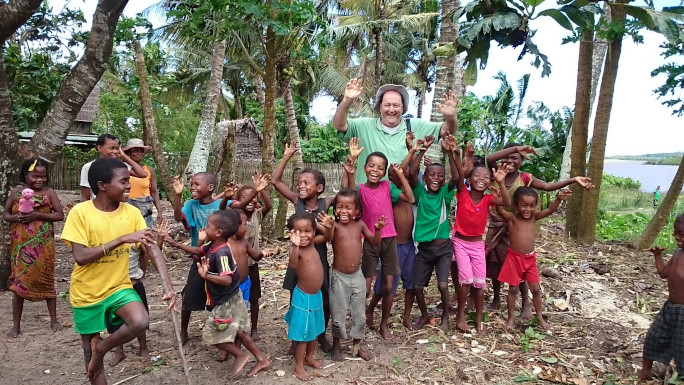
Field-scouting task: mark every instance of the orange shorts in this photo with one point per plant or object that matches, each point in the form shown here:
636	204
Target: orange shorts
519	267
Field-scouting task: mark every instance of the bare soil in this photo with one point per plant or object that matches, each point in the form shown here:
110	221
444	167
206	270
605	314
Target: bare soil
598	327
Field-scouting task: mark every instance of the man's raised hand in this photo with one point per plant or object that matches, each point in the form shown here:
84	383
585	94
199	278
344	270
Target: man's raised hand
353	89
450	104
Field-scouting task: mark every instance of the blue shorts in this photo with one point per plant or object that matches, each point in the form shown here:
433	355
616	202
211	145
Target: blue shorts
305	317
246	289
407	259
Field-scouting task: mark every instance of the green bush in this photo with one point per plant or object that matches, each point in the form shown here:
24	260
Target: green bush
619	181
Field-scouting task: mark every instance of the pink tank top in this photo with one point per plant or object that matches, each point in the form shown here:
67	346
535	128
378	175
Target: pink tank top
377	202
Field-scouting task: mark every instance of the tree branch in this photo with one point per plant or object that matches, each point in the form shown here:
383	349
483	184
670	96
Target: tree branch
251	62
14	14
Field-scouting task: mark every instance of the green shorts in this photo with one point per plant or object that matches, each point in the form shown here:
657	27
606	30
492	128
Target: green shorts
93	318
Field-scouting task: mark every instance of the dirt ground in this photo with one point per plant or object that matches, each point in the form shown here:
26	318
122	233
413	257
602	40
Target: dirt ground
598	326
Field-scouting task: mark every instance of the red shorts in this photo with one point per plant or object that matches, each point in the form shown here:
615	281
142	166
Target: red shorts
519	267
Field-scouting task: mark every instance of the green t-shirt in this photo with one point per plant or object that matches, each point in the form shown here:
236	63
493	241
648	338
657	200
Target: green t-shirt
372	136
432	216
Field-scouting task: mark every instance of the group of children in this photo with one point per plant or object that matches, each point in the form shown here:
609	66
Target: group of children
374	232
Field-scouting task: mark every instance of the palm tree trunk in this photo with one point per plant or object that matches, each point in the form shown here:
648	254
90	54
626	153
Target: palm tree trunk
258	87
268	131
421	101
587	231
237	104
199	156
150	133
579	131
662	214
378	49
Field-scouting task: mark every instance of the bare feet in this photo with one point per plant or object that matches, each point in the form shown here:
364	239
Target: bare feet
510	322
223	355
462	325
526	312
444	325
496	303
385	332
239	363
309	361
481	327
325	344
422	321
119	356
184	336
56	326
369	316
260	365
644	374
543	324
144	355
336	354
14	332
302	374
96	364
255	336
407	323
362	354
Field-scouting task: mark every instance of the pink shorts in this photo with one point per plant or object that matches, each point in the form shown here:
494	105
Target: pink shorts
519	267
470	259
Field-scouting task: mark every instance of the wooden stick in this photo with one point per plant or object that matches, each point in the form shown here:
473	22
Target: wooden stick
128	378
176	328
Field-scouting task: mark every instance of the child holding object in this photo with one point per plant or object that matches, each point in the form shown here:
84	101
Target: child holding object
32	243
665	338
521	260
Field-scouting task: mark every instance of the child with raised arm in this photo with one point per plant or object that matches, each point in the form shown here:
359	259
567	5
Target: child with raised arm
469	226
228	322
306	198
521	260
32	243
305	318
406	249
100	232
194	215
497	239
347	284
665	338
377	196
433	201
255	215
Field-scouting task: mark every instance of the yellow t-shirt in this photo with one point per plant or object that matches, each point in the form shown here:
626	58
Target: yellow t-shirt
88	226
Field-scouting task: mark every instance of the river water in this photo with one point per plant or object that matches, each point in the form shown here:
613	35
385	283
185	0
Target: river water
649	175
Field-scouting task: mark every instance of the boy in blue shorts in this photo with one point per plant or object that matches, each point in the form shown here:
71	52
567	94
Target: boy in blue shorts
100	233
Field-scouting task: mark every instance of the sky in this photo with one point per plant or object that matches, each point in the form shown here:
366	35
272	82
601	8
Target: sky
639	123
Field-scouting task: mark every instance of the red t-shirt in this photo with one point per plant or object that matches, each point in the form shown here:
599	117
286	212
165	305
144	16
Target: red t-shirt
471	218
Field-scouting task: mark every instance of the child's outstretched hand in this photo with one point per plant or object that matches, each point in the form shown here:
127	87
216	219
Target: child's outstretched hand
418	144
564	194
428	140
203	267
470	149
655	250
163	228
398	170
229	190
584	182
291	149
326	220
382	222
262	182
177	184
525	151
410	137
294	238
266	253
427	161
202	235
349	166
354	150
144	235
500	173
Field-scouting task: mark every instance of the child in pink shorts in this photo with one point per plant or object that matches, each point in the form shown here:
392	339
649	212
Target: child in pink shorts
471	220
521	262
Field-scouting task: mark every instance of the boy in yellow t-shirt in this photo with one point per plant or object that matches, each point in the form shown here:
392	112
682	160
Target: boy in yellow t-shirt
100	233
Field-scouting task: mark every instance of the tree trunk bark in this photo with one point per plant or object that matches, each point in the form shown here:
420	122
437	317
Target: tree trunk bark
587	231
237	103
199	156
421	101
150	133
77	85
378	51
14	14
579	132
268	131
258	87
662	214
